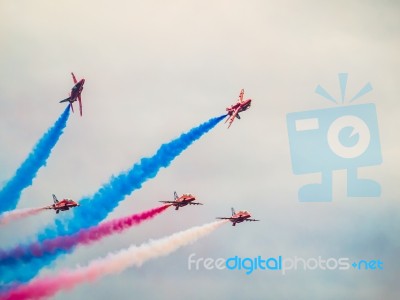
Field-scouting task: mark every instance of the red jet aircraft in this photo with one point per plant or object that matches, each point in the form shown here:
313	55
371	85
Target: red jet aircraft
239	217
183	200
234	110
64	204
75	93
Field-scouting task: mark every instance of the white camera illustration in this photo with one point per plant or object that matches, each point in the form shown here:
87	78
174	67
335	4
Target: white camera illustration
331	139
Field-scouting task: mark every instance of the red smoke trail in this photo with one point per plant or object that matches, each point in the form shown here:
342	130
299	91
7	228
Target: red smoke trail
13	215
84	236
111	264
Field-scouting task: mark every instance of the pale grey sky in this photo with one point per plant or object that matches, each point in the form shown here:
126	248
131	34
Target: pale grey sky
155	69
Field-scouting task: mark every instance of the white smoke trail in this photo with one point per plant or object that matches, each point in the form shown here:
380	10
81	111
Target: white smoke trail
16	214
111	264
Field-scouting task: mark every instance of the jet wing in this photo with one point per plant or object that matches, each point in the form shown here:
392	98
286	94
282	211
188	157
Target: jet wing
233	116
80	104
73	78
225	218
251	220
195	203
171	202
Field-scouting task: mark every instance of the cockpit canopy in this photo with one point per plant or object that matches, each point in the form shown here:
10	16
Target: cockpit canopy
243	212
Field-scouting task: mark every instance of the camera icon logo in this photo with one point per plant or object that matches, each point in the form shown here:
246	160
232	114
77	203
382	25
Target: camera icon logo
344	137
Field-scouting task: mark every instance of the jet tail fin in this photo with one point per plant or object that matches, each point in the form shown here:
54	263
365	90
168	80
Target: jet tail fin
233	211
55	199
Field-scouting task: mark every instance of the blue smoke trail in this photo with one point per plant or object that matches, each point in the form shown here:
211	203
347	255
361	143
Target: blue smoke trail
96	208
10	193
